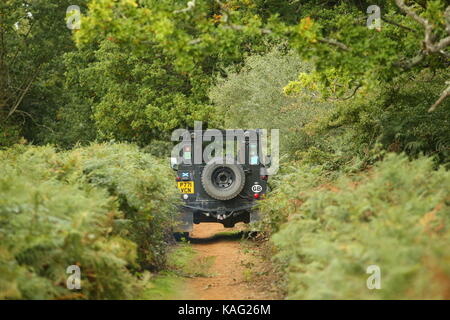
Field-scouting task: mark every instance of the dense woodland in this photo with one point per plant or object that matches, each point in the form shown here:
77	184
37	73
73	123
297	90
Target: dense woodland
362	104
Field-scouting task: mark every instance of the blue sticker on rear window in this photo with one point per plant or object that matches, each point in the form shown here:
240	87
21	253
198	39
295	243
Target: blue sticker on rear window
254	160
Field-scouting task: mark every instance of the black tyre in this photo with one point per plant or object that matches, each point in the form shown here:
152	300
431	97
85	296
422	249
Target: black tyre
223	181
180	236
228	224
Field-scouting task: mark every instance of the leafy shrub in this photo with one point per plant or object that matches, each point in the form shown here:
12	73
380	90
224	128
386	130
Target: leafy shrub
139	97
396	117
91	207
145	193
395	216
253	97
9	134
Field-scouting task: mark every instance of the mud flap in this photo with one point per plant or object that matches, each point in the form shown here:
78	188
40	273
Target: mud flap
185	220
254	216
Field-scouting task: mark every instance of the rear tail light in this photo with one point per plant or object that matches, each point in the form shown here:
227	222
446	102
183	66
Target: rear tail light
178	179
256	196
264	177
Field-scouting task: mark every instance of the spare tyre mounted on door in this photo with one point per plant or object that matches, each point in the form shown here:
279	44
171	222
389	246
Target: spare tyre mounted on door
222	179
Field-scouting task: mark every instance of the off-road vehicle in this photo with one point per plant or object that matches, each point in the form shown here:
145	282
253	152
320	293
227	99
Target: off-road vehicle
216	186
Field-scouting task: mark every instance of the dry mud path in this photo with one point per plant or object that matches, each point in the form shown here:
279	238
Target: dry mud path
235	273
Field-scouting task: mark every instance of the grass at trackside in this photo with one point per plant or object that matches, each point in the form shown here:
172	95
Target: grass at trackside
169	285
183	263
165	287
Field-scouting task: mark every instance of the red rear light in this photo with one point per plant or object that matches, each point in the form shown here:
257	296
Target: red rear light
264	177
178	179
256	196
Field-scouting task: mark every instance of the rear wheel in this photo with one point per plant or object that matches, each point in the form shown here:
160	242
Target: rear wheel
181	236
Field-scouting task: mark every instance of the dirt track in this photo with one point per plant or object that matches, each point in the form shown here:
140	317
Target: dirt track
229	277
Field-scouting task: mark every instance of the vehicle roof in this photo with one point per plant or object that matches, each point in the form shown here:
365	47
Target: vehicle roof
232	133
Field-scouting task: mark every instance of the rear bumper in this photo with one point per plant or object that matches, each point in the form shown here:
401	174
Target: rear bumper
190	215
205	207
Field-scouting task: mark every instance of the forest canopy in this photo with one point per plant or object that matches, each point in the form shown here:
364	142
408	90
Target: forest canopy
136	70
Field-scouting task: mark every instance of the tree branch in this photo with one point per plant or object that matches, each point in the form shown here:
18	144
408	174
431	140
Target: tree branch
353	93
412	62
444	95
22	95
25	38
428	43
398	24
19	100
430	46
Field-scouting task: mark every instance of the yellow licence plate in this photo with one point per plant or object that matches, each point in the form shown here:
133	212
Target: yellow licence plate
186	186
